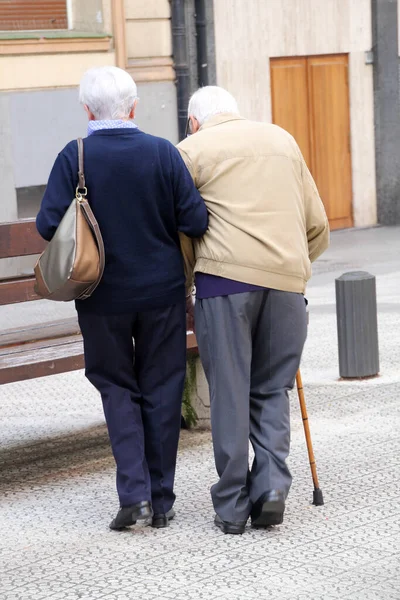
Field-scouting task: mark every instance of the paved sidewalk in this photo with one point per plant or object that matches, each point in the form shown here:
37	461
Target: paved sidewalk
57	482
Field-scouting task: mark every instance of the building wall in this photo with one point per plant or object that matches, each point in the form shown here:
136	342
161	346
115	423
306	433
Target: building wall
248	34
40	112
39	108
48	70
39	78
386	29
42	122
148	59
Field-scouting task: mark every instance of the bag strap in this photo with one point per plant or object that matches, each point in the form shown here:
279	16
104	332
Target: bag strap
81	189
81	192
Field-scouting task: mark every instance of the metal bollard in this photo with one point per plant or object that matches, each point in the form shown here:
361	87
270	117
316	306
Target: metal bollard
357	325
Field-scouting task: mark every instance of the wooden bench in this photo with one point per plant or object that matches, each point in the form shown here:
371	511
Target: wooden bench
41	349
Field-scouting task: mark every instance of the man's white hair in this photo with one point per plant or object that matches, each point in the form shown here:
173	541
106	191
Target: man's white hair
108	92
209	101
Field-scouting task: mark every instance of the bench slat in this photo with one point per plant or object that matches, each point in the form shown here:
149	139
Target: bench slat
17	289
39	363
52	331
28	348
20	239
40	331
50	357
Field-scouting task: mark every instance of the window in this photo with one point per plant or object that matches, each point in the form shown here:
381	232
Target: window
23	15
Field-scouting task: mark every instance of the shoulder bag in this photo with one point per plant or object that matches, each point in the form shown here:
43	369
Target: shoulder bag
72	264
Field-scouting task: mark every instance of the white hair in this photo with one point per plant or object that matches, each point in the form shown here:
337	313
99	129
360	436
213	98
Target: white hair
108	92
209	101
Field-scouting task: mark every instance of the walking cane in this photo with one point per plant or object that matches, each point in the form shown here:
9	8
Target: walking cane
318	499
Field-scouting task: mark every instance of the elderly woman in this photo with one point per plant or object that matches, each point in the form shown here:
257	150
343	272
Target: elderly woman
133	326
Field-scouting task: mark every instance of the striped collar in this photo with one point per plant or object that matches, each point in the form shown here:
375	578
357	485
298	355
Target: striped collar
109	124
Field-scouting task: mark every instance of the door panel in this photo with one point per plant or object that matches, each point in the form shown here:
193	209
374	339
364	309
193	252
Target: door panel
330	135
310	99
290	100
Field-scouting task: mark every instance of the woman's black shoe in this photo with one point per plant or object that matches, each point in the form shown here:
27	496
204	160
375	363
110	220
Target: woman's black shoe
128	515
162	520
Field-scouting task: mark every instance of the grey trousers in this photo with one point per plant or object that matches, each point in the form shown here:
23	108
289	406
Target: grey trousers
250	345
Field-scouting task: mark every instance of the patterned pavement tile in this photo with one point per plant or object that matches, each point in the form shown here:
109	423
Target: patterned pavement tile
372	594
351	559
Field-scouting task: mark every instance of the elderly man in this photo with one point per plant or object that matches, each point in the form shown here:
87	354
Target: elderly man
134	325
266	225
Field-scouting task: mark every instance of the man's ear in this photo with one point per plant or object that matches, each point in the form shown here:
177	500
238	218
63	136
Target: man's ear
194	124
133	110
89	113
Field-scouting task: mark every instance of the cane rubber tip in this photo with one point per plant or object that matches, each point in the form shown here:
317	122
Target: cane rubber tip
318	499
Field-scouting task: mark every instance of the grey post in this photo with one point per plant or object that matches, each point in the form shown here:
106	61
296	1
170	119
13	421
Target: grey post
357	325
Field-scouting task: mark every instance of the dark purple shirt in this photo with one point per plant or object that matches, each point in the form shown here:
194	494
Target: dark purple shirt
211	286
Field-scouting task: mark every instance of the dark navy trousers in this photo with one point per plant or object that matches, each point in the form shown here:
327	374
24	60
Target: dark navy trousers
138	362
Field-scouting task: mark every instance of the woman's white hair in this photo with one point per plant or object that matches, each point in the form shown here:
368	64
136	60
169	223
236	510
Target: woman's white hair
209	101
108	92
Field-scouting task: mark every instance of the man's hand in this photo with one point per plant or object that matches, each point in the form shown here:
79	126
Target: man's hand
190	314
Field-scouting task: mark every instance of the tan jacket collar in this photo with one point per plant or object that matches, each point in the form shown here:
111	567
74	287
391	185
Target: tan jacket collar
221	118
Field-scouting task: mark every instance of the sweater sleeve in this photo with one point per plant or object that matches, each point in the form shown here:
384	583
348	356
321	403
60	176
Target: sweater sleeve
191	211
188	260
59	194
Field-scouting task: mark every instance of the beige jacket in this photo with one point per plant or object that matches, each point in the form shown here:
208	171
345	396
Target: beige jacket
267	222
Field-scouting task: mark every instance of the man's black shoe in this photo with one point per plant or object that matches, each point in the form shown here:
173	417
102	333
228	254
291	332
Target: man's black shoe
269	509
128	515
227	527
161	520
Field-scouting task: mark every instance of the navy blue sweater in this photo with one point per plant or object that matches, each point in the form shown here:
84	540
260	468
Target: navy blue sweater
141	195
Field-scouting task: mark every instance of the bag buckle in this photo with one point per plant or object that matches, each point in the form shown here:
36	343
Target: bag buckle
80	192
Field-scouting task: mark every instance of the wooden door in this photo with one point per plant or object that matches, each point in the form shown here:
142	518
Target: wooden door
330	135
290	100
310	98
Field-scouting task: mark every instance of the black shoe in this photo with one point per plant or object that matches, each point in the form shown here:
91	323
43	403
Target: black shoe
128	515
227	527
161	520
269	509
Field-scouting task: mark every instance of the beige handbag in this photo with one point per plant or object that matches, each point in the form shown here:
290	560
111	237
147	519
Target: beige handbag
72	265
